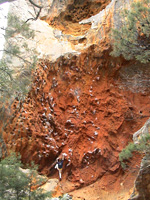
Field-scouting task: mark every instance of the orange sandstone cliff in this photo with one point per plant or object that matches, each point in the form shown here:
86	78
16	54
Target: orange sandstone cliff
83	102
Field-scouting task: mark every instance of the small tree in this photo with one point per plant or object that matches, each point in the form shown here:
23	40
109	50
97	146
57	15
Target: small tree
16	68
131	40
35	180
142	147
18	60
15	184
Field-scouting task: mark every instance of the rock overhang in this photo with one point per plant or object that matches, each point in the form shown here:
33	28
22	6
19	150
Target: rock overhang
68	15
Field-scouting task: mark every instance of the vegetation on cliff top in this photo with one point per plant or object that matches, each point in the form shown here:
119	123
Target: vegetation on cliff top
132	38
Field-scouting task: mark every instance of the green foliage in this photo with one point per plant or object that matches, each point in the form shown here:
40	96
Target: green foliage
17	26
18	61
15	184
131	40
16	67
127	152
142	147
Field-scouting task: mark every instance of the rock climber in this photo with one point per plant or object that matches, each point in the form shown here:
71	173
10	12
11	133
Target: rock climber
59	165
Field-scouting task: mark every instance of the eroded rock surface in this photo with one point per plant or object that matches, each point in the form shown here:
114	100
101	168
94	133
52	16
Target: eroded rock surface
69	13
142	183
76	107
85	103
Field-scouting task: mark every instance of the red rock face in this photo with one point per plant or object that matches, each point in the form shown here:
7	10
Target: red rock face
86	106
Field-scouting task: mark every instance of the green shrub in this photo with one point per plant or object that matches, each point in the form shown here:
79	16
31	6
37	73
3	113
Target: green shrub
142	147
17	185
131	39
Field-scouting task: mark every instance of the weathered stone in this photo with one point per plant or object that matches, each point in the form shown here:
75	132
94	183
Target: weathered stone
142	183
50	186
140	133
81	102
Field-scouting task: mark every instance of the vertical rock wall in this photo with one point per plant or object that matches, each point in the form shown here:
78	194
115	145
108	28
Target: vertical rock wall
80	106
85	103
